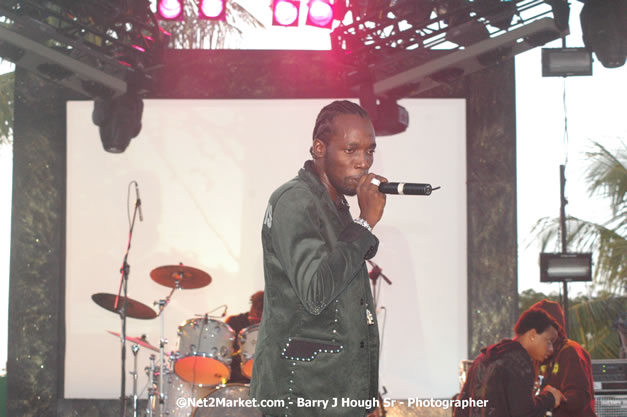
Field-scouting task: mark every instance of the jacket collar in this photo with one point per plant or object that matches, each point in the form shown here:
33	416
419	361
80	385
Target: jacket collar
310	176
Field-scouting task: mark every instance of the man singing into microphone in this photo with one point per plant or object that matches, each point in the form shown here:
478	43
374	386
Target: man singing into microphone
318	343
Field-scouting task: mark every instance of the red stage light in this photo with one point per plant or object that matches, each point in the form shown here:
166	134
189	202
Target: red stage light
170	9
212	9
320	13
285	12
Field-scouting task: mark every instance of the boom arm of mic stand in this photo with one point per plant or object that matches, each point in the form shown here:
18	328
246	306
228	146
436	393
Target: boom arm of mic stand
381	274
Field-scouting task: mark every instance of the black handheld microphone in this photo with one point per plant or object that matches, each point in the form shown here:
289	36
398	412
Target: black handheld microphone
405	188
138	203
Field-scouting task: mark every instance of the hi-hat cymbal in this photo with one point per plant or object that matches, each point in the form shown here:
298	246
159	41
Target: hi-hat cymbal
180	276
134	309
141	341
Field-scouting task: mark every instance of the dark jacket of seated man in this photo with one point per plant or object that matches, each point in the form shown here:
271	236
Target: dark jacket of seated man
569	369
504	373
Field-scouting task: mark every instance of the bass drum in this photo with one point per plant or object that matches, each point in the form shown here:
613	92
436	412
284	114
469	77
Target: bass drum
216	404
175	388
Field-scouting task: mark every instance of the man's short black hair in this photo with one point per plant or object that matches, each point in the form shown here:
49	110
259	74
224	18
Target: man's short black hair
534	318
324	122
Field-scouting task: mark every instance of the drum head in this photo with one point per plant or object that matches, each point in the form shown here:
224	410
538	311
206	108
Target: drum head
223	395
248	344
201	370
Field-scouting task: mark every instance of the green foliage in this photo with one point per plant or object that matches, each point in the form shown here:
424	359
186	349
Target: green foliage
529	297
7	82
592	324
591	320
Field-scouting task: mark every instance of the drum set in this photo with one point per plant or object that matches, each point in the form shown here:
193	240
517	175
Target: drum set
190	381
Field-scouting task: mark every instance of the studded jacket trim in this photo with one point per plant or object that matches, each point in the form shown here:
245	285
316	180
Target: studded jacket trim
299	349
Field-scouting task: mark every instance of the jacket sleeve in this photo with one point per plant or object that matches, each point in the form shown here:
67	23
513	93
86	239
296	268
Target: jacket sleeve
520	397
574	380
318	270
463	395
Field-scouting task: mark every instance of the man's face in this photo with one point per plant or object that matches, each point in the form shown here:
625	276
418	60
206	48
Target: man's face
542	344
349	153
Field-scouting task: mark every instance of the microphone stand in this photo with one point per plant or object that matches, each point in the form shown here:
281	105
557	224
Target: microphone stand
125	271
374	275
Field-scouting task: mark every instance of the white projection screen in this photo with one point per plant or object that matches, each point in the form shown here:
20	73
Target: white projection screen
206	169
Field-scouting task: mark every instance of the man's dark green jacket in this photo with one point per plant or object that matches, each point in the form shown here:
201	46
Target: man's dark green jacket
318	338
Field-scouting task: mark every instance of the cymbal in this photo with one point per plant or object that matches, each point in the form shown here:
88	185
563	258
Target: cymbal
141	341
180	276
134	309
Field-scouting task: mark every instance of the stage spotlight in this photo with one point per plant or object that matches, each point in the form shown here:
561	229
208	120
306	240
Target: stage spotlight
212	9
603	32
566	62
559	267
170	9
388	117
119	120
320	14
392	118
285	12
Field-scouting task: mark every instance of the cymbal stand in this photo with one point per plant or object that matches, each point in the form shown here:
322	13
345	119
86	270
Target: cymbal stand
124	272
152	401
135	349
374	275
164	303
162	342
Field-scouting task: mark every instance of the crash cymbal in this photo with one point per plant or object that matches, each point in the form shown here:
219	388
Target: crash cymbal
180	276
134	309
141	341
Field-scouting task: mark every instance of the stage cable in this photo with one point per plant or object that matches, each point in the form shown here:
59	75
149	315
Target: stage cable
565	136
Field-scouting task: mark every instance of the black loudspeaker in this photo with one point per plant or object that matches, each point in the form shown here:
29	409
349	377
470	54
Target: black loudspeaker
611	405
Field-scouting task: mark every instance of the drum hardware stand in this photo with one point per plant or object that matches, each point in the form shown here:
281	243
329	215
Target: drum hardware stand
162	342
374	275
151	390
125	271
135	349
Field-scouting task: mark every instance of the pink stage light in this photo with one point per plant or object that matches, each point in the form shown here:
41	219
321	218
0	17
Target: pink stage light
212	9
285	12
320	13
170	9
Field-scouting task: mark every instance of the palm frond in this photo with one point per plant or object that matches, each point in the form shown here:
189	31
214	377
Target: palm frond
607	176
591	323
609	246
193	33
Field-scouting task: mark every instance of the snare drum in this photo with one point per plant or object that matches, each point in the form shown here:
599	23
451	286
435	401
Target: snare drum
175	388
205	348
215	404
248	342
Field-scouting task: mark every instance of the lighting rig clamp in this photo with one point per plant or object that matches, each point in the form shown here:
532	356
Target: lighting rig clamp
97	48
410	47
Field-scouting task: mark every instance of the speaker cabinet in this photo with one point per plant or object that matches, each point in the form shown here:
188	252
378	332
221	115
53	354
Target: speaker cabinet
611	405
